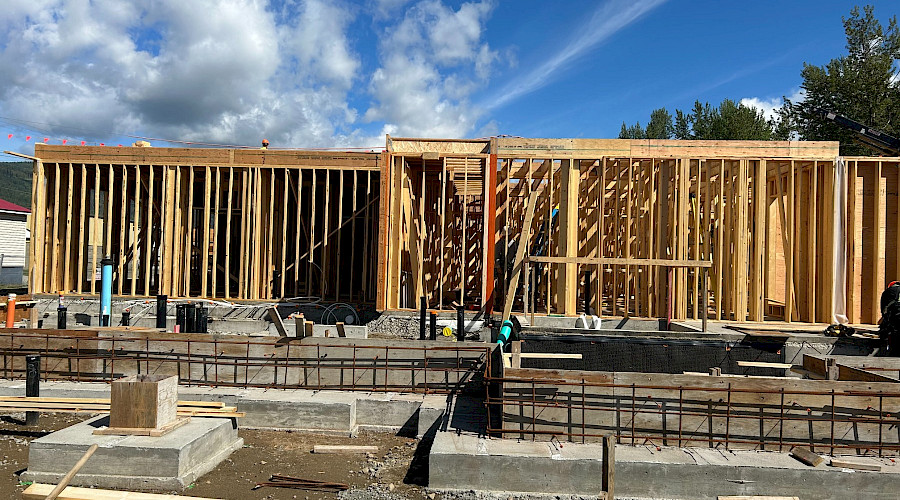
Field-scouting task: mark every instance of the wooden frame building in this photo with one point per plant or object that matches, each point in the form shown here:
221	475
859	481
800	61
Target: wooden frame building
793	231
212	223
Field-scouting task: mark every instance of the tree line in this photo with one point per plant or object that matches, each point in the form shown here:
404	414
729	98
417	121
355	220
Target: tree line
863	84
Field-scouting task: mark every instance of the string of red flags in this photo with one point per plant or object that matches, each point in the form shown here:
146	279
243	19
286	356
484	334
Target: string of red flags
47	140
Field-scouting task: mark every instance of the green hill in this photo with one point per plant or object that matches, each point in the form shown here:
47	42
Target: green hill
16	182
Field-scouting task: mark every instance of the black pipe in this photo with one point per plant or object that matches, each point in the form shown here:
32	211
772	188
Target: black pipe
433	334
32	385
161	307
179	316
126	317
202	322
588	309
61	317
460	324
422	305
190	318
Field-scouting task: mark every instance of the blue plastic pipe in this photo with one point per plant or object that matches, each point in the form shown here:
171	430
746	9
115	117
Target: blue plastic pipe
505	333
105	291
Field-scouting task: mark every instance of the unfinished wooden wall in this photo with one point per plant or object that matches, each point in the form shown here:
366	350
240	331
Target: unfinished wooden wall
238	225
762	212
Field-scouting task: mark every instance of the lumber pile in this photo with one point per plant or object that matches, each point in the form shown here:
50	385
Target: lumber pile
15	404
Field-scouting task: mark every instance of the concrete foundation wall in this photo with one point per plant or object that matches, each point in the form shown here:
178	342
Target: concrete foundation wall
465	462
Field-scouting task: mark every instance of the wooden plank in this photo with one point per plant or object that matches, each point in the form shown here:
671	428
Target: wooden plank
123	228
148	243
567	274
876	279
325	224
549	355
39	491
353	245
79	281
621	261
524	243
66	265
312	234
855	464
229	215
343	448
756	497
189	236
284	233
608	470
217	218
177	235
340	229
205	267
762	364
298	218
134	231
107	244
38	272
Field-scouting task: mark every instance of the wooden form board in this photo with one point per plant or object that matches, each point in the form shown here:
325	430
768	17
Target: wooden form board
207	226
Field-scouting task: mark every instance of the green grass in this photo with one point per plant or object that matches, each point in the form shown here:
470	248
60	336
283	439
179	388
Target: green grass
16	185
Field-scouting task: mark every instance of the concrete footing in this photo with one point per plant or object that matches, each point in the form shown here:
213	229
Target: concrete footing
169	462
467	462
327	412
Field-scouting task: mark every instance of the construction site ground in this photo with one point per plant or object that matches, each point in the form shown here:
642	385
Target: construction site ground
394	472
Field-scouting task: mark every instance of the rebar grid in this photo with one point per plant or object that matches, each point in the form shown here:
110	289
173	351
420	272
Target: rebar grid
536	395
356	367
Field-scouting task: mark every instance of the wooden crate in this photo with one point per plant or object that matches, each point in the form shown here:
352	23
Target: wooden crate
143	402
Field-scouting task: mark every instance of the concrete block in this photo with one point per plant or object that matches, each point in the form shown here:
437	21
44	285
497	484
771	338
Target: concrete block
350	331
460	461
170	462
388	412
431	414
330	412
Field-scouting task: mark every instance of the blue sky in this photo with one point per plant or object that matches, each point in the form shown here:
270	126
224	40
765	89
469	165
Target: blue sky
316	73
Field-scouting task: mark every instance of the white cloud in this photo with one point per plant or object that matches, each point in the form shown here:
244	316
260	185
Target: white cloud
233	72
203	70
430	63
606	20
770	106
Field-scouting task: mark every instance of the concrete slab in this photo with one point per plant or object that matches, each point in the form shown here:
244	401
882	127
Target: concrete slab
169	462
469	462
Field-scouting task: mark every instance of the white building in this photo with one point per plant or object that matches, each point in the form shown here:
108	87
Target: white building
13	235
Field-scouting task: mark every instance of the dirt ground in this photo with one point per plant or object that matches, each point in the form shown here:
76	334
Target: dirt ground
394	473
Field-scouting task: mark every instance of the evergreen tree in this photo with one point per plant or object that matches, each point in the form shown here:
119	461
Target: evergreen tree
660	125
633	132
682	126
862	85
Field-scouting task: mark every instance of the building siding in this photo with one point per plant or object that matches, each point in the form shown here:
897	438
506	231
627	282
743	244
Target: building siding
13	232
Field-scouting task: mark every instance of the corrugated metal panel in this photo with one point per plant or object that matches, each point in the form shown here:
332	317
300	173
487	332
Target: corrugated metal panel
12	239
